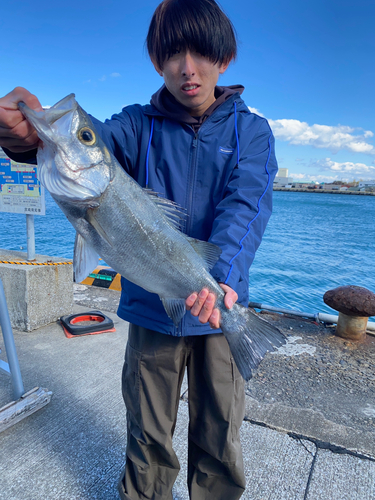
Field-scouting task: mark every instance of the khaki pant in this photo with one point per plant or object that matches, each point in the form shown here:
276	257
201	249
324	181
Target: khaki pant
152	377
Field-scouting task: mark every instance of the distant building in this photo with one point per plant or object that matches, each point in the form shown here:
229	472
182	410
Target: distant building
306	185
283	172
366	184
331	186
282	179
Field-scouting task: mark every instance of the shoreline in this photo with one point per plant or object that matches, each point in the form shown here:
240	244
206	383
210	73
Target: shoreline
326	191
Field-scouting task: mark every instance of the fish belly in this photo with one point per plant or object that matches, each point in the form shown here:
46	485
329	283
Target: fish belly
129	231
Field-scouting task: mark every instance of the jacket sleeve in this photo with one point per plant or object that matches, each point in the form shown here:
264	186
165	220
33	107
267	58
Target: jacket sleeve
242	215
28	157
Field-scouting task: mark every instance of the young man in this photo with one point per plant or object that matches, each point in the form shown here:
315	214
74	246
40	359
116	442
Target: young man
198	145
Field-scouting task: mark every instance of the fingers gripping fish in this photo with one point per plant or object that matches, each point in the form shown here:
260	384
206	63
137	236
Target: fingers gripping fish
134	230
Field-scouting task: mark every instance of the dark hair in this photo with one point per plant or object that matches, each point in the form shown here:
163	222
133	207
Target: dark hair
198	25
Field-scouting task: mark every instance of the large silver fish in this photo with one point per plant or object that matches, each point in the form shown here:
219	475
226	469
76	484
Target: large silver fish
134	230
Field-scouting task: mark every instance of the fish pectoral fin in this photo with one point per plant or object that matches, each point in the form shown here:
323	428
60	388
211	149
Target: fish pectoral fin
85	259
90	218
175	308
209	252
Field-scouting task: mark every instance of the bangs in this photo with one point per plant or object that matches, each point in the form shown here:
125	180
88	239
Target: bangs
195	25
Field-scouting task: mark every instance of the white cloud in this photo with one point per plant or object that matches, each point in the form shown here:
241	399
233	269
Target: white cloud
346	168
297	176
256	111
334	138
314	178
328	170
103	78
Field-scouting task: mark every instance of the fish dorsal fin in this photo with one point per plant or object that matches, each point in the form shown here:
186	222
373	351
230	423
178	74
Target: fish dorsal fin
175	308
209	252
85	259
174	212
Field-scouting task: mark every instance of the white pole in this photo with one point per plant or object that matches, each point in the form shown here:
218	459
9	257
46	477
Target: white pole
30	229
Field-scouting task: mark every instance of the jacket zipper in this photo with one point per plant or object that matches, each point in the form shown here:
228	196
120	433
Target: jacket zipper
193	166
192	181
179	328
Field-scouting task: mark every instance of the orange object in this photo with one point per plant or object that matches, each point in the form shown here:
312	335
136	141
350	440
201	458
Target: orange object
90	323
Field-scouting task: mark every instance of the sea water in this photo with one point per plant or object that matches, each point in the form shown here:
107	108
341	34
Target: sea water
54	235
313	243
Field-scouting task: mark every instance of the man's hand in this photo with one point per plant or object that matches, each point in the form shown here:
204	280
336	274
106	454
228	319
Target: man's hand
202	305
16	133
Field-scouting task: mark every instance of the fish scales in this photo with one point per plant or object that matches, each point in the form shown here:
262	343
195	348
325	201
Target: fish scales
133	230
146	233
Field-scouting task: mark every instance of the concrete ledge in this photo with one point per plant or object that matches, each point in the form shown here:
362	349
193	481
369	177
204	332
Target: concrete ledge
312	425
36	294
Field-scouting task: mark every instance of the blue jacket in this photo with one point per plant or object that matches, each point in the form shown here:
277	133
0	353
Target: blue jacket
222	175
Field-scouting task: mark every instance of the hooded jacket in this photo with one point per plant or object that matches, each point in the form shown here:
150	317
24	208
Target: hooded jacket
219	167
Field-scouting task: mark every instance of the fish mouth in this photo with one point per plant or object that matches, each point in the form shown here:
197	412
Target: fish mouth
43	120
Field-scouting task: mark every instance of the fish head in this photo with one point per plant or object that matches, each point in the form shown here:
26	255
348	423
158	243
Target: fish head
74	164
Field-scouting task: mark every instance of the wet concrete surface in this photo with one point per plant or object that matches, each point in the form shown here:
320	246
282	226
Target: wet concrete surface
315	370
317	392
316	377
95	297
318	370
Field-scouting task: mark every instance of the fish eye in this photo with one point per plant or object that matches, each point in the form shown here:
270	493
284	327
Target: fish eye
87	136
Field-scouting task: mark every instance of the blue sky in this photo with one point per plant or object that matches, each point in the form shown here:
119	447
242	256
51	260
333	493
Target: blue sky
307	66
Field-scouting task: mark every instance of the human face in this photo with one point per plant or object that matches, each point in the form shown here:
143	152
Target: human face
191	78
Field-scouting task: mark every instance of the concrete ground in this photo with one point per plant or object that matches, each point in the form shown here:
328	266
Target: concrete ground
308	433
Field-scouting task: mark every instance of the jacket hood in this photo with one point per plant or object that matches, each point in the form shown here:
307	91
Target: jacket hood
169	107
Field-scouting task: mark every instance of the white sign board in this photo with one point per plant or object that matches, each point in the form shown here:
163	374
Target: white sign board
20	189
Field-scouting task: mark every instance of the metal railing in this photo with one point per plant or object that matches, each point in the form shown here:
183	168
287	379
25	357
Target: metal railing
12	368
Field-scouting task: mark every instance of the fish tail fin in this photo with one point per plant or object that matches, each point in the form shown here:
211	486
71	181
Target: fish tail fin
249	337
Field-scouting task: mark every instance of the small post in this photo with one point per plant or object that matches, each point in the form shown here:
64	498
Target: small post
30	229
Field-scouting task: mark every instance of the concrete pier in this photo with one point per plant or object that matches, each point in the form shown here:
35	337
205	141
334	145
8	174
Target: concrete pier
37	293
309	431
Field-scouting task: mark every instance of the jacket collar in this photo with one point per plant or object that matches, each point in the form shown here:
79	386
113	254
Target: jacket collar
164	104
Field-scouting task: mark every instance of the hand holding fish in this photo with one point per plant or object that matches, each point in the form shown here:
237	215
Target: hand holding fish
16	133
202	305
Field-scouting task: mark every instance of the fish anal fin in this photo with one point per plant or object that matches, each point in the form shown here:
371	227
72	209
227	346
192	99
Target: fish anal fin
175	308
85	259
209	252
